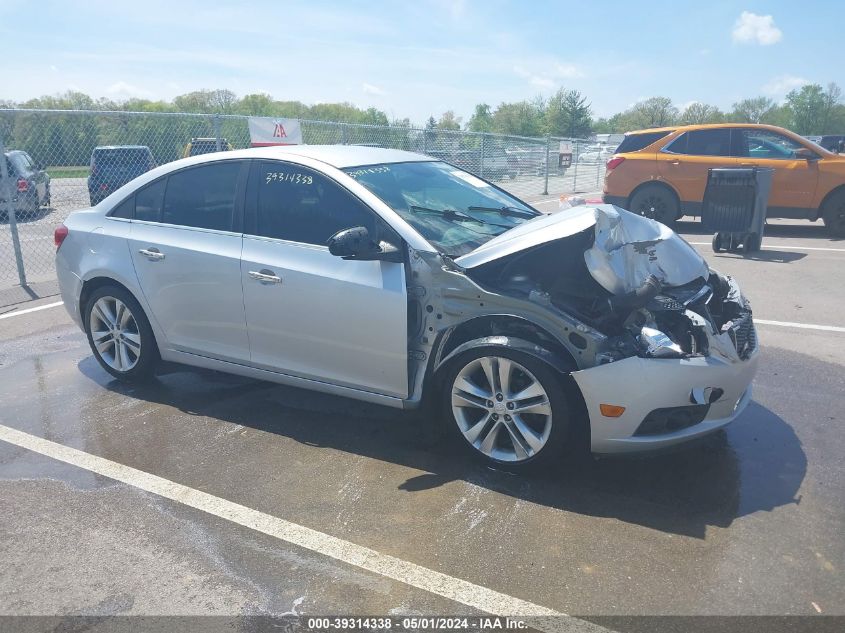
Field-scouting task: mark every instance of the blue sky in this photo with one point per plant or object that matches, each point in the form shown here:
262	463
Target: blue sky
426	56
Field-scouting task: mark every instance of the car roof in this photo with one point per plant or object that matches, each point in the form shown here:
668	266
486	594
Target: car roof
120	147
339	156
706	126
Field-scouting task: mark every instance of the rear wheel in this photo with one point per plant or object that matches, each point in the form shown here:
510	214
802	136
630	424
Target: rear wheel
506	407
833	213
120	334
655	202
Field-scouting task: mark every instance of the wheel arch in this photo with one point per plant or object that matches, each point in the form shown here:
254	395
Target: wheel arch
836	190
511	332
94	283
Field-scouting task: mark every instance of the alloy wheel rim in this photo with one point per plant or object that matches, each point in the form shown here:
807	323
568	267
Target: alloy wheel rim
501	409
115	334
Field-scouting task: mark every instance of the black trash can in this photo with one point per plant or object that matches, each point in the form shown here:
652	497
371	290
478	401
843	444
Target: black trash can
734	207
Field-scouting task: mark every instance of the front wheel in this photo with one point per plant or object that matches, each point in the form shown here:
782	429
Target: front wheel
657	203
120	334
506	407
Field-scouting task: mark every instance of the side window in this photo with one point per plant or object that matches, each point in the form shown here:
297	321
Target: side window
301	205
715	142
148	201
125	209
764	144
202	197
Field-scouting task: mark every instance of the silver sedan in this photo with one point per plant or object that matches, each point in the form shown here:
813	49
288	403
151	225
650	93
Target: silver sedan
399	279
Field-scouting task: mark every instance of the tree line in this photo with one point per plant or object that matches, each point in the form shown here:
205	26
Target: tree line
810	109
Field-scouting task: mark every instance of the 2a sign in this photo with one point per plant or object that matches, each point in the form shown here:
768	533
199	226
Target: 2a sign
265	131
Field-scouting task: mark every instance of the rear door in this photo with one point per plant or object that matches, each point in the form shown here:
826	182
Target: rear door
684	163
311	314
795	179
186	253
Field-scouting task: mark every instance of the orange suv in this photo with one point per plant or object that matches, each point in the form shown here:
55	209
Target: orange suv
661	173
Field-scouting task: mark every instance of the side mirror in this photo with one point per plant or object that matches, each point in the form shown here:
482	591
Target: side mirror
806	154
356	243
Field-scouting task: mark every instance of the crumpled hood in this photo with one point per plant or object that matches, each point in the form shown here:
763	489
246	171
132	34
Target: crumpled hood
626	250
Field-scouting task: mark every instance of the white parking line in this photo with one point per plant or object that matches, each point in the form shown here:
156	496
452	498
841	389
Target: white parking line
779	246
456	589
9	315
803	326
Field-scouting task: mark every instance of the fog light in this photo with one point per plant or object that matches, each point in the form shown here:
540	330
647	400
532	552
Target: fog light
611	410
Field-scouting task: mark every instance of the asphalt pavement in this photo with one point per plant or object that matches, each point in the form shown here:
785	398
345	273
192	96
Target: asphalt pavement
749	522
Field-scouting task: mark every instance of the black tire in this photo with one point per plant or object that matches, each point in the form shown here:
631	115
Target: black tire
717	243
833	213
563	420
148	357
656	202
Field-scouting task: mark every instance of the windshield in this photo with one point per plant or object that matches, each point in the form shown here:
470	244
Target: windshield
452	209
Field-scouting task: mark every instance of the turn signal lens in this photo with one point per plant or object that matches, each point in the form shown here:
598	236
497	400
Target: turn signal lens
611	410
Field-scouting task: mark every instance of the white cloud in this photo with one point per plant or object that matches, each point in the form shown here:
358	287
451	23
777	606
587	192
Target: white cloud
751	28
123	89
567	71
542	82
370	89
782	84
551	74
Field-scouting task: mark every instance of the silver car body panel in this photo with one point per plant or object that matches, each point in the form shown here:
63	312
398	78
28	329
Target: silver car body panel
194	290
347	330
330	319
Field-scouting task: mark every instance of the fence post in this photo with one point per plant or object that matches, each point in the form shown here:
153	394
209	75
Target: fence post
575	156
217	133
548	149
6	193
481	168
343	138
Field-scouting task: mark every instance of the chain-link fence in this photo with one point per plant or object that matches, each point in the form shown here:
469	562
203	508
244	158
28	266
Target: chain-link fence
59	161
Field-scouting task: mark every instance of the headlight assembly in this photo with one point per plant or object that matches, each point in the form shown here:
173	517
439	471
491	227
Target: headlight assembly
656	344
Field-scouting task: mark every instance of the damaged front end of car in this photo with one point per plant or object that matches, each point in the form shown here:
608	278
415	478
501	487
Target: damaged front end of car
632	312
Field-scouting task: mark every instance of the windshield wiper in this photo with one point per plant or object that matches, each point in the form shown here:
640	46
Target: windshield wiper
452	214
511	212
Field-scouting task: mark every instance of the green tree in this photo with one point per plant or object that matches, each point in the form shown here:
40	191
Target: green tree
755	110
811	107
567	113
481	119
523	118
698	113
654	112
448	121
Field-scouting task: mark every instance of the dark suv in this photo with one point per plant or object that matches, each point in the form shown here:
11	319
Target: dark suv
114	165
30	185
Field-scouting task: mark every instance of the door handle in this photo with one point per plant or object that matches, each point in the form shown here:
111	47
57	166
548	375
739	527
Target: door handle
265	276
153	254
675	162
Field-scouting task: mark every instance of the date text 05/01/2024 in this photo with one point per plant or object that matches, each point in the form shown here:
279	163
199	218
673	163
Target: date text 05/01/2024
417	623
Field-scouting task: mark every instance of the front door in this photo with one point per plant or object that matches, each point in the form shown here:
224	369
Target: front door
311	314
794	180
187	259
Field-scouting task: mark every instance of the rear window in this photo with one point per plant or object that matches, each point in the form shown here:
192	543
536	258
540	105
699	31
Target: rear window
122	157
713	142
207	146
636	142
